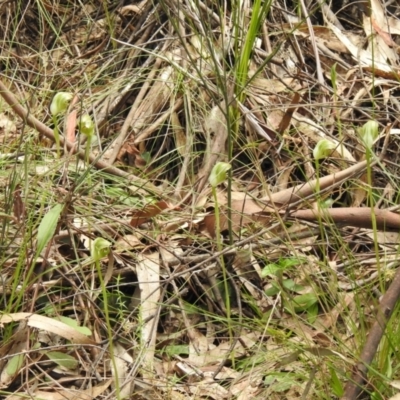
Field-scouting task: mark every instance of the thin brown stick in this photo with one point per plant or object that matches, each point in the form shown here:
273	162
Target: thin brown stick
72	148
358	379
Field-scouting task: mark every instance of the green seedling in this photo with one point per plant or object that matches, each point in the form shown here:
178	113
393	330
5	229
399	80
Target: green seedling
322	150
99	249
297	299
58	107
218	175
369	132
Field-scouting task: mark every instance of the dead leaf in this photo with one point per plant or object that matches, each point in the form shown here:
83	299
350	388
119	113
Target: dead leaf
65	394
380	43
49	325
287	117
10	366
155	101
382	33
385	23
179	134
149	211
366	58
148	275
18	204
70	123
123	362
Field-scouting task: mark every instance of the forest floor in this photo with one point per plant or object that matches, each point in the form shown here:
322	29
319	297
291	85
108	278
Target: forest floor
199	200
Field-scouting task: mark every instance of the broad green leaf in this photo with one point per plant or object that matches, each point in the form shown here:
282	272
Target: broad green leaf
146	156
273	290
283	385
270	269
336	383
281	265
47	227
289	284
279	382
15	364
312	313
304	301
62	359
269	380
74	324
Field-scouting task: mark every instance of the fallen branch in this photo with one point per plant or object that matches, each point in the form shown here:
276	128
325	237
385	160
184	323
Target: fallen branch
351	216
72	148
358	379
304	190
309	189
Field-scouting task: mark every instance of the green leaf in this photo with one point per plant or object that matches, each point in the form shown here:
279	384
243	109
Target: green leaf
312	313
219	173
120	195
47	227
336	383
15	364
99	248
62	359
270	270
60	103
174	350
304	301
289	284
283	264
146	156
279	382
273	290
290	262
283	385
269	380
74	324
323	149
